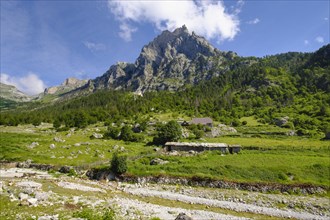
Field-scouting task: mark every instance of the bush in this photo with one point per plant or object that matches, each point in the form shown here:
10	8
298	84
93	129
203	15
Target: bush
118	164
198	133
244	122
126	134
168	132
113	132
235	123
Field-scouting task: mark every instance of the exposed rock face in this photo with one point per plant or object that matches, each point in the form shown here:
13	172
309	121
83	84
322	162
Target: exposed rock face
170	61
68	85
12	93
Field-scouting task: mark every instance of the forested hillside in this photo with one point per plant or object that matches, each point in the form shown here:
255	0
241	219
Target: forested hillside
296	85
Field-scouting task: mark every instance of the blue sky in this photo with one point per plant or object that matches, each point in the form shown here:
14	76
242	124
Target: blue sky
44	42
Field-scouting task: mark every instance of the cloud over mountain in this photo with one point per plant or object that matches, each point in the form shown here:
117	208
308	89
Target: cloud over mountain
210	19
29	84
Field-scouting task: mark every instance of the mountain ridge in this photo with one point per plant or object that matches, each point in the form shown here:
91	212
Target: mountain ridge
10	92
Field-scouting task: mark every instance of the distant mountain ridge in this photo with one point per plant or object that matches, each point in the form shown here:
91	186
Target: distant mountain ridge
171	61
10	92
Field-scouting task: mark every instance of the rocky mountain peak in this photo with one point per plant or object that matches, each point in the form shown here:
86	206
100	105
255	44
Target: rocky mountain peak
68	85
72	81
168	62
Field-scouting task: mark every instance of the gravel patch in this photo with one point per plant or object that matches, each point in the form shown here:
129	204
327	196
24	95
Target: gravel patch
239	207
129	208
21	172
80	187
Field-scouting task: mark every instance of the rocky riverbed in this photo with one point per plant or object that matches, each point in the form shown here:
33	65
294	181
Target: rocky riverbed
33	194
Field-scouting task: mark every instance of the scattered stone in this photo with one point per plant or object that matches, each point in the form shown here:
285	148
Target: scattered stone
222	130
24	203
158	161
191	152
173	153
52	146
77	186
29	184
53	157
97	135
33	145
156	149
49	217
32	201
58	139
183	216
77	144
41	196
23	196
291	133
25	164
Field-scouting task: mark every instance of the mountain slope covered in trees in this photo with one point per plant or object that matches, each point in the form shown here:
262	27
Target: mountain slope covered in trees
296	85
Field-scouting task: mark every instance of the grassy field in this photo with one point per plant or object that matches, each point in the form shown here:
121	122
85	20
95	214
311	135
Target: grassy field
285	159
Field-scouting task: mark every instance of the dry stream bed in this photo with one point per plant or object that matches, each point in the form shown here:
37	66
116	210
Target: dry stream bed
34	194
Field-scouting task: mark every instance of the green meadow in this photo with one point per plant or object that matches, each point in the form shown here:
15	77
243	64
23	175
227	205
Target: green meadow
268	159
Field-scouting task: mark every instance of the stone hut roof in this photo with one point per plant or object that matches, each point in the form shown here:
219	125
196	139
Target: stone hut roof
203	121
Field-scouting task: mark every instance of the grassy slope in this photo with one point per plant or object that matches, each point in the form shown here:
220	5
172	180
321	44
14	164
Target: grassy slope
279	159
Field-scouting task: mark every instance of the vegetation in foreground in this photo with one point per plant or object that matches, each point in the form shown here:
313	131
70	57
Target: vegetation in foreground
268	159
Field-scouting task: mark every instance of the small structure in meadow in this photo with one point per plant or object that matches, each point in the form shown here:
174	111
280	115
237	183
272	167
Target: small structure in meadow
186	146
203	121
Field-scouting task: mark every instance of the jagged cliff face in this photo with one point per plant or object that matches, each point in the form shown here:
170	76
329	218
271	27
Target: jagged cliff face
170	61
12	93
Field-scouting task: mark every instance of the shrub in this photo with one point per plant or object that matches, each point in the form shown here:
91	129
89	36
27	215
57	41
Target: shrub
244	122
198	133
118	164
168	132
113	132
235	123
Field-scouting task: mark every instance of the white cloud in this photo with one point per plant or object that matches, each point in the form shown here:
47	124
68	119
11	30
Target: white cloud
319	39
29	84
205	17
326	19
306	42
126	31
94	46
254	21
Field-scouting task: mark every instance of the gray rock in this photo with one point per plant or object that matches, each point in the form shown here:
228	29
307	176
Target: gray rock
41	196
49	217
25	164
23	196
158	161
97	135
33	145
58	139
32	201
183	216
52	146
